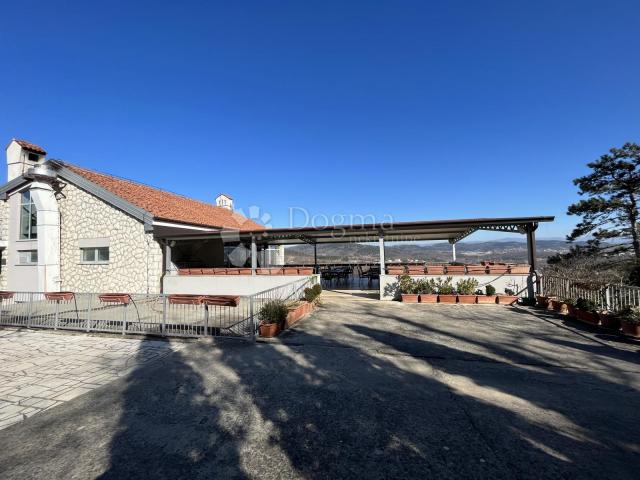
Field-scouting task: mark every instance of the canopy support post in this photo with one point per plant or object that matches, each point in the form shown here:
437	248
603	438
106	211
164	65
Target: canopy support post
315	258
533	288
254	255
453	251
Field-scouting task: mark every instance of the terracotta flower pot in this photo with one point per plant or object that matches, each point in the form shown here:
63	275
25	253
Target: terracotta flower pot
507	299
520	269
6	295
609	321
269	330
572	311
290	271
631	329
115	298
467	299
553	305
448	298
428	298
305	271
410	297
588	317
487	299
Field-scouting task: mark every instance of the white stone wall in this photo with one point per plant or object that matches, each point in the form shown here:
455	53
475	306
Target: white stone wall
4	238
135	263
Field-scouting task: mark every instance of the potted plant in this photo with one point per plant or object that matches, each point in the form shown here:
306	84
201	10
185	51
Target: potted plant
466	288
427	290
446	292
587	311
542	301
630	321
508	298
609	320
489	296
273	315
408	289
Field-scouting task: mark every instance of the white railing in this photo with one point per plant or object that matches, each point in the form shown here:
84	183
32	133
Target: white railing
609	297
148	314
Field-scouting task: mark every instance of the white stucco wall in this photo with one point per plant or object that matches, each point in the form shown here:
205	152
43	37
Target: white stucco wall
4	241
135	263
226	284
518	283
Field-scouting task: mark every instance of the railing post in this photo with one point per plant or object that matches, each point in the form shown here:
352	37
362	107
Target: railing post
30	309
206	319
55	320
253	320
163	327
124	319
89	313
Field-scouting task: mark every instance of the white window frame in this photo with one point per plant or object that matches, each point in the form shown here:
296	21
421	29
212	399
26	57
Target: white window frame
22	257
32	230
96	256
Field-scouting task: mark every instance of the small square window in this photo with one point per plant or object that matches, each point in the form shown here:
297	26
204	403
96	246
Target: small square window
27	257
95	255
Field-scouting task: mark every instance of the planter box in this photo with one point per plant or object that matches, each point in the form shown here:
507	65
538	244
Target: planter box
115	298
542	301
498	269
553	305
435	269
395	270
305	271
476	269
59	296
276	271
507	299
572	311
244	271
468	299
588	317
290	271
415	270
409	298
233	271
219	271
221	300
297	313
520	269
609	321
428	298
6	295
448	298
629	329
185	299
263	271
269	330
456	269
487	299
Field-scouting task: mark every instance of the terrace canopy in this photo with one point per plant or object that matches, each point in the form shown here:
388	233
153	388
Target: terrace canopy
452	231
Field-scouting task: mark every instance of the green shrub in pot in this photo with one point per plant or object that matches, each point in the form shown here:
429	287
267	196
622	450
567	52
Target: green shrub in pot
274	311
407	285
445	287
467	286
490	289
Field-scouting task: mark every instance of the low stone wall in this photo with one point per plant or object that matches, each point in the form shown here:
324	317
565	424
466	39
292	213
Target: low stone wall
519	283
226	284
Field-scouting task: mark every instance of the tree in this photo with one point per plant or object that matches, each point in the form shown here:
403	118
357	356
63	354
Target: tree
611	210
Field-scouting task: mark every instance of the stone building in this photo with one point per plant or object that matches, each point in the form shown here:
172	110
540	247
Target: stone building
66	228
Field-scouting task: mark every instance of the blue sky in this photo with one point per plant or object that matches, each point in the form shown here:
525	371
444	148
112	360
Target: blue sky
414	109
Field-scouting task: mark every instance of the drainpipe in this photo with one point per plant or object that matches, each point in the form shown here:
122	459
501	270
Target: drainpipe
254	255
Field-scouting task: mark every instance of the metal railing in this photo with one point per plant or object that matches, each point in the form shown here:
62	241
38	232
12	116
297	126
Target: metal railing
147	314
608	297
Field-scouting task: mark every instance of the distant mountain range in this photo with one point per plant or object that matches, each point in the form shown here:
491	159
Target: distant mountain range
467	252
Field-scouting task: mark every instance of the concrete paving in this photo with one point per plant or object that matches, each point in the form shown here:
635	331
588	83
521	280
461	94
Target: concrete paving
360	389
40	370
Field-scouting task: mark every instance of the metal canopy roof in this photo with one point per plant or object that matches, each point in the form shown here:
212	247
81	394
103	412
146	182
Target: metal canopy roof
450	230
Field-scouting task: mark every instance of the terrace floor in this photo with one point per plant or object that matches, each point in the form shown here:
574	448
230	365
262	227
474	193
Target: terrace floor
361	388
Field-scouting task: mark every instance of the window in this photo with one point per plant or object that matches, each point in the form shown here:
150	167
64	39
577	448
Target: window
27	257
28	217
33	157
95	255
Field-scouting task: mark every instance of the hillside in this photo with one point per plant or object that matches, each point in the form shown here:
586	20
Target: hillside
468	252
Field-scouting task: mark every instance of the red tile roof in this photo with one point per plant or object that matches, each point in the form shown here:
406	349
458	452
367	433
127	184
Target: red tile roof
169	206
31	146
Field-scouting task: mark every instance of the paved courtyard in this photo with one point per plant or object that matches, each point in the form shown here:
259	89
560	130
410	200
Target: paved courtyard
360	389
40	370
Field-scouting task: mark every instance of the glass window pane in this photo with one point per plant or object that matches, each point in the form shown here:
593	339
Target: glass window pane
24	222
88	255
103	254
34	256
